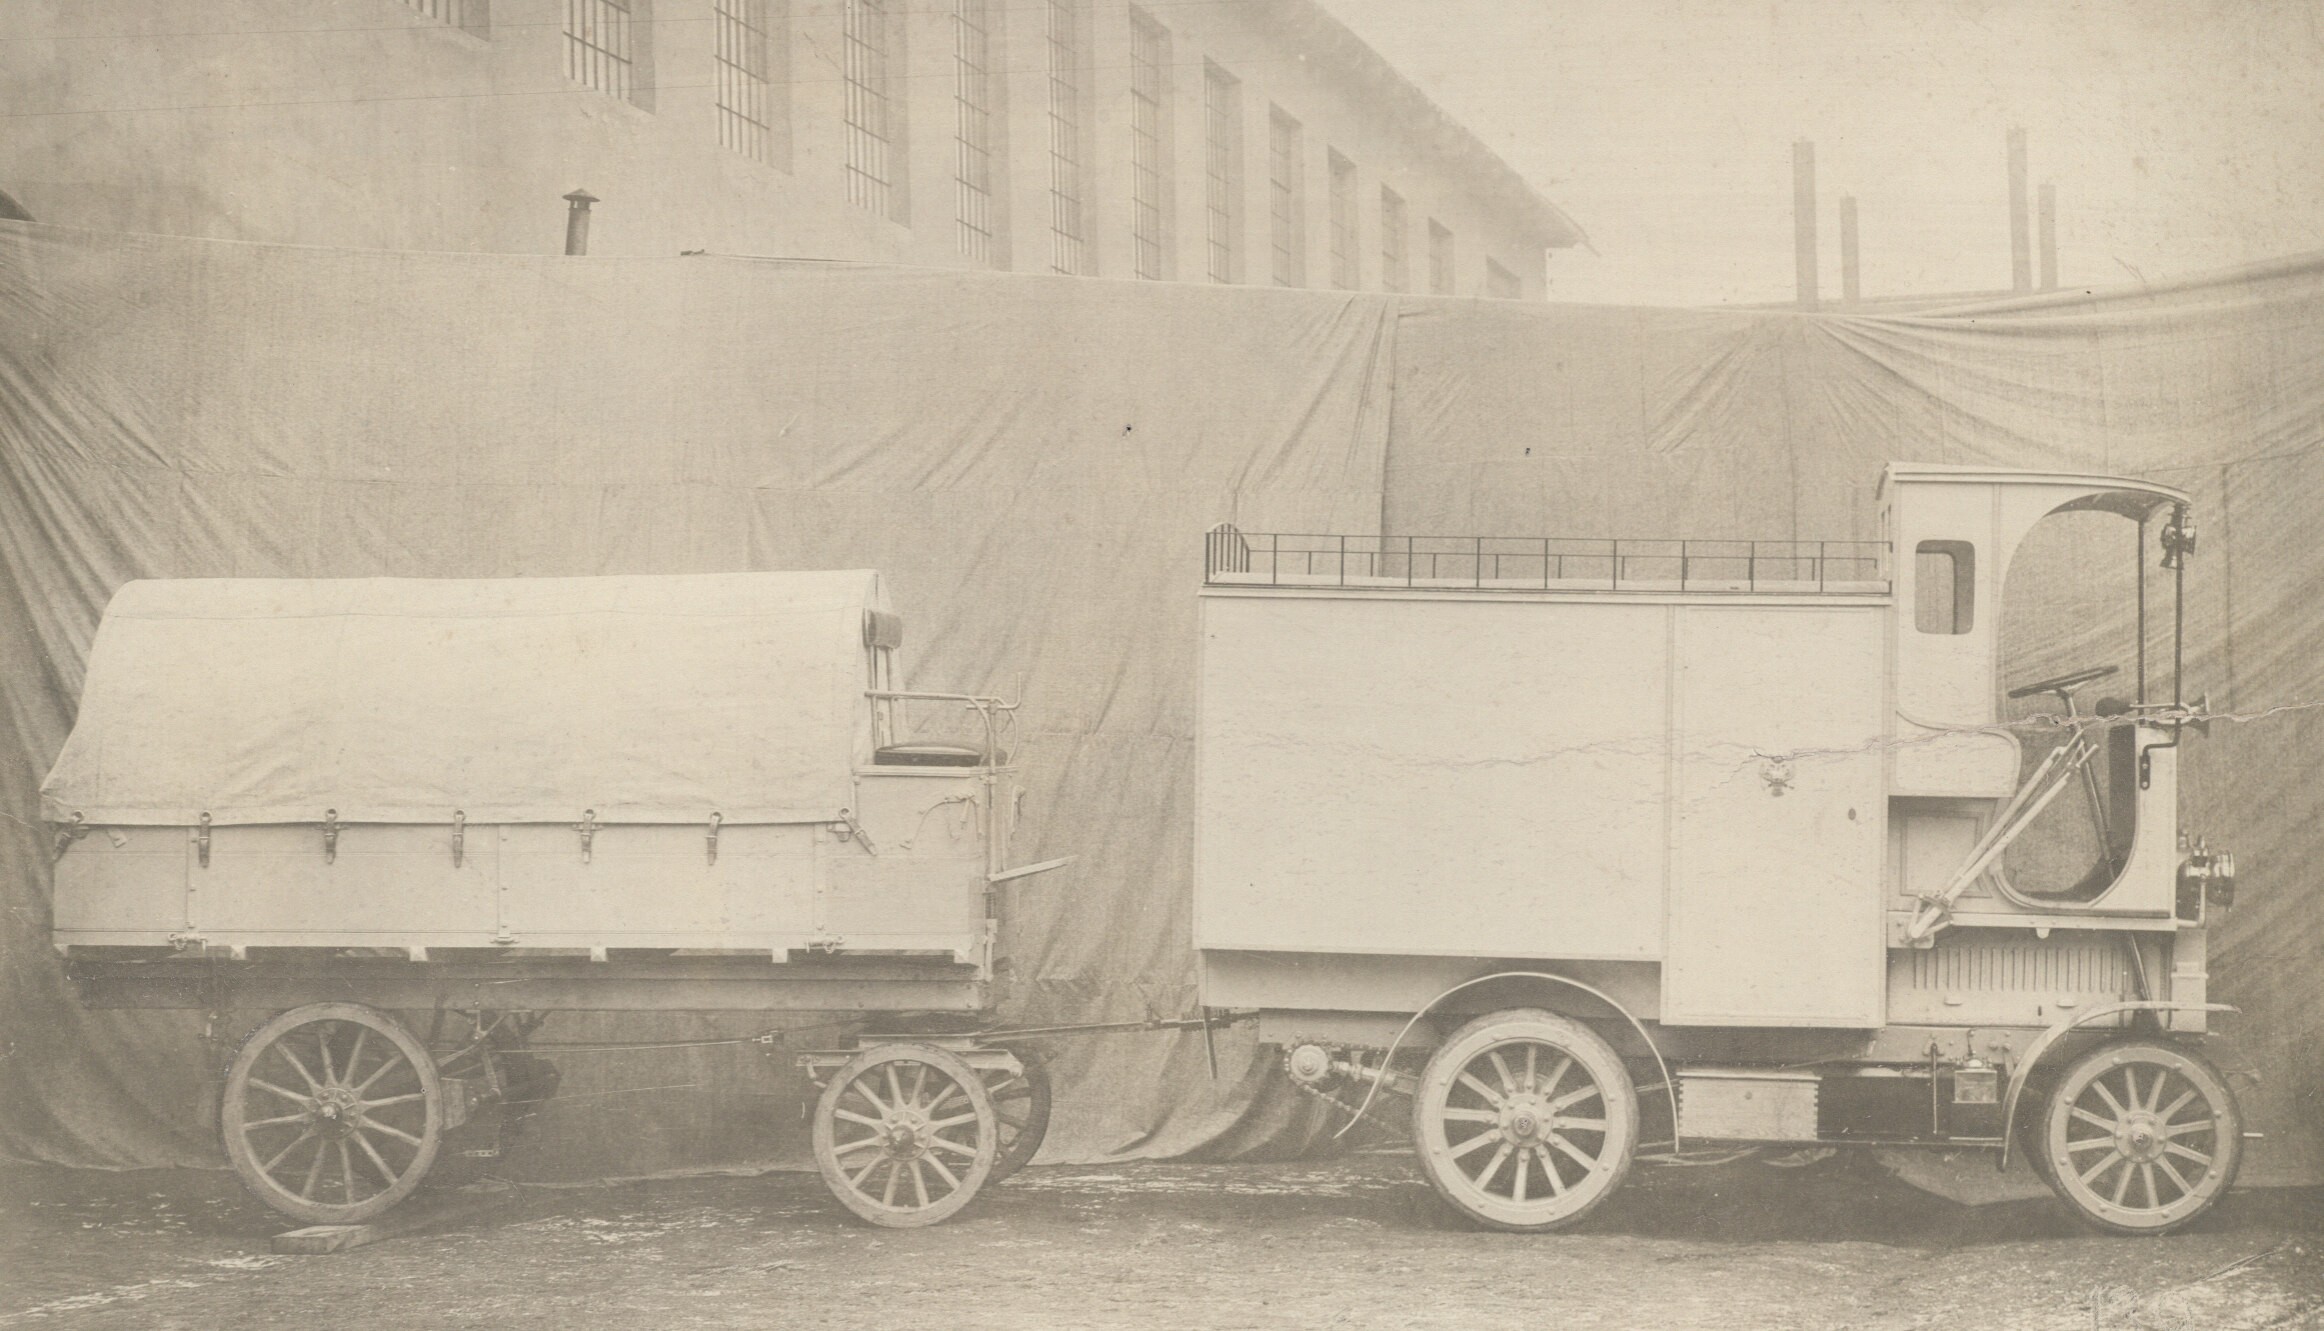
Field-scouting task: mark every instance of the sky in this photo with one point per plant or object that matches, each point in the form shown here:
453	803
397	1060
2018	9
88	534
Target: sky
2183	136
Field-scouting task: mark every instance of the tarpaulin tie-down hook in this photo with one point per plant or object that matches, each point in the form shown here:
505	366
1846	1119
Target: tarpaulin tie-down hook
70	833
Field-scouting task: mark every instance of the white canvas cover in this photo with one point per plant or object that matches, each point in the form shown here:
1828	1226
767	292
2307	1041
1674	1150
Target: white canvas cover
643	699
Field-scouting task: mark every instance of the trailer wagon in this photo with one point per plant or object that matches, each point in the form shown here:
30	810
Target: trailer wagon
1562	839
406	820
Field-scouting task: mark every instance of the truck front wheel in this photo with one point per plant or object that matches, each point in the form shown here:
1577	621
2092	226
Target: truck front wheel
1525	1120
2142	1136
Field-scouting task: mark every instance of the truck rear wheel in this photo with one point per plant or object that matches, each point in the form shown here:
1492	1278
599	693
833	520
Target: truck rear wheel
1525	1120
905	1134
2141	1136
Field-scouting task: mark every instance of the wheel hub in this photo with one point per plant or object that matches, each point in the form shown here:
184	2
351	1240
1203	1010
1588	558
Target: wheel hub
2139	1136
906	1133
338	1109
1526	1119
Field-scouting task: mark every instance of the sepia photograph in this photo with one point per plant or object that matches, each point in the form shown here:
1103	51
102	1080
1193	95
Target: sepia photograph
1180	664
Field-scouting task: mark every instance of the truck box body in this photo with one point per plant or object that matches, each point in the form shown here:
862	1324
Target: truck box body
1685	779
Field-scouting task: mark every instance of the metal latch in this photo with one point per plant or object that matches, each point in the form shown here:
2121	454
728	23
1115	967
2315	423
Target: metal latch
459	836
711	837
587	827
70	833
847	827
202	842
330	836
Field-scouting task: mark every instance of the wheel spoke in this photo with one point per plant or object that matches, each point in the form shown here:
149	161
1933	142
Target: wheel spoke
2122	1184
1583	1124
2146	1171
951	1090
1565	1064
1532	1053
372	1151
392	1061
1549	1169
282	1047
1452	1115
955	1147
315	1170
395	1100
1478	1142
1501	1067
856	1179
951	1179
2130	1093
292	1096
2164	1115
1573	1152
1492	1097
346	1171
270	1122
268	1167
2099	1086
858	1144
398	1133
1573	1097
2198	1157
895	1167
2108	1161
1524	1167
953	1122
2155	1096
854	1117
859	1088
355	1055
323	1051
2190	1126
2178	1179
1492	1166
919	1088
2088	1143
2103	1124
895	1092
919	1183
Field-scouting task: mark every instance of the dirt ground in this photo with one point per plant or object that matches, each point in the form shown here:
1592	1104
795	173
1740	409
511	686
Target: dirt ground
1359	1242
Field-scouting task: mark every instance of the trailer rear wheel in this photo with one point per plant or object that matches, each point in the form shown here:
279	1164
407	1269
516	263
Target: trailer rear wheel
333	1112
2142	1136
905	1134
1525	1120
1021	1106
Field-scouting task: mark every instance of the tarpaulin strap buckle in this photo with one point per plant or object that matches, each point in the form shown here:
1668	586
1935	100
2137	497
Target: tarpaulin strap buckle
330	836
587	827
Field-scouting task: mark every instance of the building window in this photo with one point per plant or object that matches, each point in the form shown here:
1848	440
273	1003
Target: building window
1440	259
1394	273
871	155
1285	162
1343	222
1149	143
1222	165
746	118
1067	252
605	46
972	95
472	15
1500	283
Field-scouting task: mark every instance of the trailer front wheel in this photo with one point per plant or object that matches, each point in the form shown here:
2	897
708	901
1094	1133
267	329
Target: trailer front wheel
2142	1136
1525	1120
905	1134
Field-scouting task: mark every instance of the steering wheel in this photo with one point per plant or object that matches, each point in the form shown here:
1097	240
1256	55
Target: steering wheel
2064	682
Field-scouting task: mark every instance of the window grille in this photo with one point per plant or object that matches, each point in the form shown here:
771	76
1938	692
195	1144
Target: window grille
1395	275
597	45
1149	61
1500	283
1066	241
1343	222
1440	259
972	91
1284	165
745	101
452	13
1222	159
869	169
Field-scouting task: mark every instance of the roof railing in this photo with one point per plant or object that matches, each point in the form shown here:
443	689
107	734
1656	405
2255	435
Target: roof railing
1236	558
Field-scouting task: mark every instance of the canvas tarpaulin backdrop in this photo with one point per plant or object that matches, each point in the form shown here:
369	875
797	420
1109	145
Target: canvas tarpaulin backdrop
1031	463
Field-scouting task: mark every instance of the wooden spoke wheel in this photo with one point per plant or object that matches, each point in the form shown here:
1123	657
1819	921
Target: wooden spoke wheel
333	1113
1525	1120
2141	1136
905	1134
1021	1105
